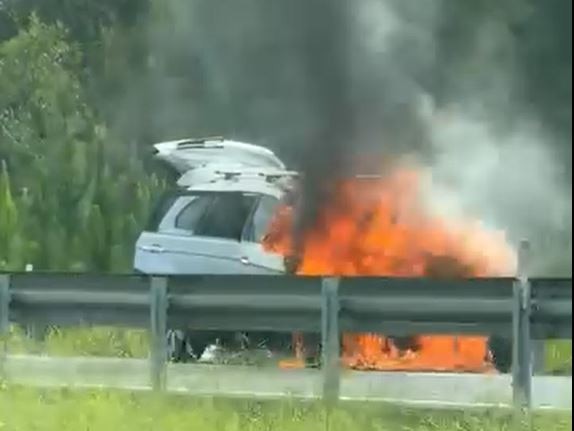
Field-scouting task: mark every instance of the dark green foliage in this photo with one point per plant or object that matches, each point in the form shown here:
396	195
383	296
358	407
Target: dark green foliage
71	196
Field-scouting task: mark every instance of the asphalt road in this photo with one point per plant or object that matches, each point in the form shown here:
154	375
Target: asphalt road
425	389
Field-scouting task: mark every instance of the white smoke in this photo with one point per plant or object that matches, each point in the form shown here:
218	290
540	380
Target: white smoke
488	160
497	174
508	180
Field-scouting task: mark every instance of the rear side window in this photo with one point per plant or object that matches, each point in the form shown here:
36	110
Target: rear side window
188	219
159	211
261	218
226	216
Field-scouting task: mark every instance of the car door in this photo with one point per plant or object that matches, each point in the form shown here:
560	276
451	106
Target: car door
199	234
254	257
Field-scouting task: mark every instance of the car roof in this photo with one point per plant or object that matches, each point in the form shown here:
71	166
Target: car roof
245	185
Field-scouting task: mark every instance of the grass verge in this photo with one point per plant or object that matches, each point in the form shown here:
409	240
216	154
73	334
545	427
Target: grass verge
559	356
80	341
23	409
131	343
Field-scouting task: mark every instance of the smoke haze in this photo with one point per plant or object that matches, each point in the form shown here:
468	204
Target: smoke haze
320	81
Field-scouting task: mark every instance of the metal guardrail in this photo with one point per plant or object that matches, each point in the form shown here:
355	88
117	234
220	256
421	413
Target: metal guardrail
513	307
283	303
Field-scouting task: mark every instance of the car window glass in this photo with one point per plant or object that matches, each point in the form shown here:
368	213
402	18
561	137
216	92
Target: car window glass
160	210
262	218
226	216
191	214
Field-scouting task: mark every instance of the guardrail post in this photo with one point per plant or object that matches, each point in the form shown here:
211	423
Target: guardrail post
4	320
36	332
330	339
522	348
158	329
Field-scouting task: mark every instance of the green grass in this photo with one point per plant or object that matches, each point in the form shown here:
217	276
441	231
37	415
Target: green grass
23	409
83	341
559	356
131	343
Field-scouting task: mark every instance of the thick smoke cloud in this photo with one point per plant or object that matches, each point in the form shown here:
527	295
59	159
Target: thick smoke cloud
321	81
276	73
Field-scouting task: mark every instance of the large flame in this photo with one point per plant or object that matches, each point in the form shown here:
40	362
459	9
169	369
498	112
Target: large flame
384	227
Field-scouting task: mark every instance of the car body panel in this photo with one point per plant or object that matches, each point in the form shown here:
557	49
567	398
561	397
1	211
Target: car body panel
259	261
166	254
167	249
244	185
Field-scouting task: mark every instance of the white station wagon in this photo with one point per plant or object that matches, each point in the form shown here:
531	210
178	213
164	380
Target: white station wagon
213	224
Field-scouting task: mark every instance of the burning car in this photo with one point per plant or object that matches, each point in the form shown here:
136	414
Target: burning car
234	212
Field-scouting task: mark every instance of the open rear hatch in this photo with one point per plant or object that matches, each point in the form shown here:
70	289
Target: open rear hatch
187	154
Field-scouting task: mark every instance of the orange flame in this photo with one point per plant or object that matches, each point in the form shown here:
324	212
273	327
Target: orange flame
382	227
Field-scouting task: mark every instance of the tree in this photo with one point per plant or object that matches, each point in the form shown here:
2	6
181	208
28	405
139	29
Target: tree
79	197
